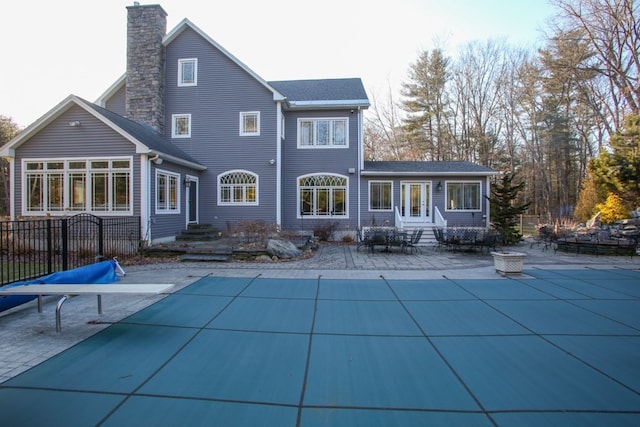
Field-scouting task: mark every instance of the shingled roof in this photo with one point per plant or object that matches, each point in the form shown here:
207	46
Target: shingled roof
325	93
457	168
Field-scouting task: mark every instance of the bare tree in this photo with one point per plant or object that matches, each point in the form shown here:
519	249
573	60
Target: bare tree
384	137
612	29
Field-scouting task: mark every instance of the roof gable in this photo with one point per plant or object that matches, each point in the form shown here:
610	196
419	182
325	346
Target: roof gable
145	138
185	23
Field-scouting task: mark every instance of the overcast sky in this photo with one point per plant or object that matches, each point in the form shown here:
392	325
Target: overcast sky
51	49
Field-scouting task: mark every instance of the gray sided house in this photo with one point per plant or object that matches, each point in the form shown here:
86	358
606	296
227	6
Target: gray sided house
191	135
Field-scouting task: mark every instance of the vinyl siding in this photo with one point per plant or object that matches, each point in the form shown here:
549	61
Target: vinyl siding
223	91
116	102
298	162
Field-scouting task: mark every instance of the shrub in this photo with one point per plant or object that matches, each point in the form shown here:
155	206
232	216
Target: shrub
612	209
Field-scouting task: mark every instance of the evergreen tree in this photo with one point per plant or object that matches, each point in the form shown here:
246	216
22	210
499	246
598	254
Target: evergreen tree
505	208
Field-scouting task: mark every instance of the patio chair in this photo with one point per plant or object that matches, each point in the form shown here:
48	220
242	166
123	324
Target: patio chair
362	238
414	239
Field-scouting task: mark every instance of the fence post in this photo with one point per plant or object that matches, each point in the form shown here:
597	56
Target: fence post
64	236
100	255
49	247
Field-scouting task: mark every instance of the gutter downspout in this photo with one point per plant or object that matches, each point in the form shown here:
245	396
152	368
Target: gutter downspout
145	191
279	164
360	162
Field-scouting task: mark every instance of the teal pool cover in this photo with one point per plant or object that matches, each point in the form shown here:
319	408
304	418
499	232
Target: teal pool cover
559	349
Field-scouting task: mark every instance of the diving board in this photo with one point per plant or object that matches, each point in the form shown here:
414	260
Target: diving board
68	290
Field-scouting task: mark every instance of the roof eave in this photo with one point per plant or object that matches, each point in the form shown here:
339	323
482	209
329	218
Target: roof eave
430	173
331	104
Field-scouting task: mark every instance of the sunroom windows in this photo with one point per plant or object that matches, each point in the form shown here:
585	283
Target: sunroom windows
463	196
322	195
97	186
323	132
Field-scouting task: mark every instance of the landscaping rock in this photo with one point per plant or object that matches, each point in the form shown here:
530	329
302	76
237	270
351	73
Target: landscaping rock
282	249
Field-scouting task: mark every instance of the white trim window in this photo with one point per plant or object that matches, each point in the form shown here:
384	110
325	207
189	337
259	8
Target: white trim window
181	126
77	185
238	188
167	192
380	196
250	123
323	195
463	196
323	132
188	72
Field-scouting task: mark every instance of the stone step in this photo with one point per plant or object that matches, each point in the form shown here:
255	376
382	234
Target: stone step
205	258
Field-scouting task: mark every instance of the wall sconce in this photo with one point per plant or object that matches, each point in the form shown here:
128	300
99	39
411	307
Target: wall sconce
272	162
75	123
187	182
439	187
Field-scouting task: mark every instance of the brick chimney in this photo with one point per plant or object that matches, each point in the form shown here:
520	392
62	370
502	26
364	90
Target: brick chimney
144	101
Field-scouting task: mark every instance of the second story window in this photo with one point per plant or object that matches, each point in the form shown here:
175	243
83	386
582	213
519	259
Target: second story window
181	126
250	123
188	72
323	132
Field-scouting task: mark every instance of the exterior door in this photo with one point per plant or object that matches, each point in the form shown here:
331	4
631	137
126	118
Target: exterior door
192	200
415	201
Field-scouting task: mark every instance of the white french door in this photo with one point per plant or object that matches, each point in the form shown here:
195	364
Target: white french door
415	203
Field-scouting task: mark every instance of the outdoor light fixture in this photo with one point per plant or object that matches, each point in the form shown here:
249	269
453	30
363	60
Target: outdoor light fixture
75	123
272	162
187	182
439	187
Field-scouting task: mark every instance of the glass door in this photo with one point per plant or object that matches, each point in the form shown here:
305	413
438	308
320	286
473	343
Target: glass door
415	201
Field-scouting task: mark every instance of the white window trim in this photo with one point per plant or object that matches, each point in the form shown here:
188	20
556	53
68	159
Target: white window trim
66	172
318	119
221	203
461	181
195	72
346	210
377	181
244	114
174	128
167	211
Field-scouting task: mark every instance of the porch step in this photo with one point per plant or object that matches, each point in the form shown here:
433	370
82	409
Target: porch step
427	239
199	233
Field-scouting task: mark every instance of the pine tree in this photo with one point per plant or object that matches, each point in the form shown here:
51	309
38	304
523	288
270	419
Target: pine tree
505	208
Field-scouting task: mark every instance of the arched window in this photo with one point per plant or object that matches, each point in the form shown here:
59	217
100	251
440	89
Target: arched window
238	187
322	195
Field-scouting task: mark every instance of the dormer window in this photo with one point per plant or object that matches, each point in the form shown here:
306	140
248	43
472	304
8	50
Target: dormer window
188	72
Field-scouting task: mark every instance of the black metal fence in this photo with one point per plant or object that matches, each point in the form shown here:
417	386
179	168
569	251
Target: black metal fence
33	248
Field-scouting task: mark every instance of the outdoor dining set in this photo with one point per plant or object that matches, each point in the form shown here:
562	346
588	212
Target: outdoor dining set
387	239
